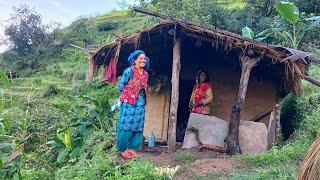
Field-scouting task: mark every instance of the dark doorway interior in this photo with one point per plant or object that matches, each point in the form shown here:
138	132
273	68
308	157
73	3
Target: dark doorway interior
185	90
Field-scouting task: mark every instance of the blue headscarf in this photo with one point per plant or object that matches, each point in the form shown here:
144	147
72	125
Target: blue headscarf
133	56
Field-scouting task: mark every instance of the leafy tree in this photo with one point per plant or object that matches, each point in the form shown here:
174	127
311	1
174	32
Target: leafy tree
25	29
29	37
265	8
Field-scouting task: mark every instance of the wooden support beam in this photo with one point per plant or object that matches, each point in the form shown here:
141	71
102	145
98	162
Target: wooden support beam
232	140
311	80
151	13
81	48
258	117
274	127
277	111
314	59
176	66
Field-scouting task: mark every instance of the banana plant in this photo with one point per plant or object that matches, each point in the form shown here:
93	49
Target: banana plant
85	114
290	13
290	33
248	33
298	25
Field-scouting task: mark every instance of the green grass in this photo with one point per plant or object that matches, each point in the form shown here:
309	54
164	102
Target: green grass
185	157
232	4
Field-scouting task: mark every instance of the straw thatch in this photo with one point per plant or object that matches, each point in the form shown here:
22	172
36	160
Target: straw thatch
310	169
294	61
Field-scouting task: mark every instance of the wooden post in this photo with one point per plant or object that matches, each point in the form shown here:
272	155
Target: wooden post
232	140
274	127
278	134
176	66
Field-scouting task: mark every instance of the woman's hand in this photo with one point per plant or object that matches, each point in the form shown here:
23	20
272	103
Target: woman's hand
198	104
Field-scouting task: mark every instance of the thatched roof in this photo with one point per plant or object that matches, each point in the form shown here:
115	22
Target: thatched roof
293	61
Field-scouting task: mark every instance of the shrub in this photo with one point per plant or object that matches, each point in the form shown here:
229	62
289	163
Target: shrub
51	90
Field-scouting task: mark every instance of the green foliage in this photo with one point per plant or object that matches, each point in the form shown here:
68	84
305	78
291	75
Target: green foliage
107	26
96	163
86	114
290	115
52	90
29	37
4	80
288	11
247	32
310	6
185	157
283	172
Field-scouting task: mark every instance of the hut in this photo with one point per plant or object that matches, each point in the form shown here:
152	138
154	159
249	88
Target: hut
249	78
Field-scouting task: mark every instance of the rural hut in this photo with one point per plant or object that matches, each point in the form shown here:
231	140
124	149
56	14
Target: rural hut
249	78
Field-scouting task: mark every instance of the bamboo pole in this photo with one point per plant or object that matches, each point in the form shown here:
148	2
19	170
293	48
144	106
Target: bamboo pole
232	140
176	66
81	48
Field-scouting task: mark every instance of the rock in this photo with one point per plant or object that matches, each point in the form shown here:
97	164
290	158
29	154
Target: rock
253	137
212	130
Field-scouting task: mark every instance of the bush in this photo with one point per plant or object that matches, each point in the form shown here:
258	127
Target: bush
52	90
107	26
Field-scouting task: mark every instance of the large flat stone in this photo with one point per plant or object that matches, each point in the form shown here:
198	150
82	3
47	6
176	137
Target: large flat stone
253	137
212	130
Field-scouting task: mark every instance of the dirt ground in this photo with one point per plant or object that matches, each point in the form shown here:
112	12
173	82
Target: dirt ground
193	163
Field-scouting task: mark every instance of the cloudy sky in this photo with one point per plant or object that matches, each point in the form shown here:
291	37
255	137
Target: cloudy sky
63	11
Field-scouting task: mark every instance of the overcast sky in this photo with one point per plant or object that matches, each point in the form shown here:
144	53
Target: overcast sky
63	11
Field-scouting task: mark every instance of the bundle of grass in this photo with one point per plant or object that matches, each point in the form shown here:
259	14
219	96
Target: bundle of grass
310	169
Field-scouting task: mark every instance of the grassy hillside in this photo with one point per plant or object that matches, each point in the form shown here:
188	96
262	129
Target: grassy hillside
65	127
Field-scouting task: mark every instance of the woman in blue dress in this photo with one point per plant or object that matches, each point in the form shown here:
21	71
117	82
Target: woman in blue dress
133	88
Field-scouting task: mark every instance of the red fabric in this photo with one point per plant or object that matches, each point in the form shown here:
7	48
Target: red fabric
112	71
135	84
199	95
128	154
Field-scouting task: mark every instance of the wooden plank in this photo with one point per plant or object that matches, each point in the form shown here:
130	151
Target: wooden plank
176	66
232	140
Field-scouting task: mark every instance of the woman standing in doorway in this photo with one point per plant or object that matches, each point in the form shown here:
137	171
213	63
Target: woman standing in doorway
133	88
201	96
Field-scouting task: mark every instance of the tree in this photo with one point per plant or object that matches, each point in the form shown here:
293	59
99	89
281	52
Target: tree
25	29
264	7
28	35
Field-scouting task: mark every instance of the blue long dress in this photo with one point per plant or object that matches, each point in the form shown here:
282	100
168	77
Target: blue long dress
131	118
